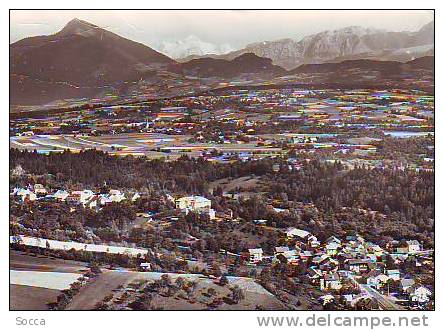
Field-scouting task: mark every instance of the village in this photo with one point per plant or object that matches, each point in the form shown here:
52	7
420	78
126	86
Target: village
347	270
272	186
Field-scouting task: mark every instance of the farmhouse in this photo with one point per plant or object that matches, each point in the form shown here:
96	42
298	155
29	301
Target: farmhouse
413	246
256	255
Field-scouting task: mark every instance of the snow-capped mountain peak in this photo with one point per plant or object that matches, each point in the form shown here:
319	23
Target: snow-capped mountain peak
350	42
192	45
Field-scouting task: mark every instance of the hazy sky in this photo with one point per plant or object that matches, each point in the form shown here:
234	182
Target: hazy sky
236	28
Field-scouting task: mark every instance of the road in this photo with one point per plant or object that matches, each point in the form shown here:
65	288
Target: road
385	302
98	289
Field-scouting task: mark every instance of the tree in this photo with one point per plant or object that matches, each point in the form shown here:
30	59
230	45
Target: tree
237	294
223	280
95	268
165	280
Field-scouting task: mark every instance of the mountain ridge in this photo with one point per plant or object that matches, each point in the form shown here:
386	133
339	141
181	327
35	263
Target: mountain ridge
247	63
83	60
352	41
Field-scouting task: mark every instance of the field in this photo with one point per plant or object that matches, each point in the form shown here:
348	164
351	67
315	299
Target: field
38	280
206	293
227	185
49	280
22	297
152	145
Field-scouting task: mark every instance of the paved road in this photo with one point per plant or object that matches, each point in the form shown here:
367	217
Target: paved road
385	302
96	291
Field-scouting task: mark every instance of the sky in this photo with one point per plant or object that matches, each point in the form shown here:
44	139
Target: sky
234	27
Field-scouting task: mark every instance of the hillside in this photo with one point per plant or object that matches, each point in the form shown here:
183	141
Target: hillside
244	64
77	61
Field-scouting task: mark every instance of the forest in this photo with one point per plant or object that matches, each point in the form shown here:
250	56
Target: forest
323	198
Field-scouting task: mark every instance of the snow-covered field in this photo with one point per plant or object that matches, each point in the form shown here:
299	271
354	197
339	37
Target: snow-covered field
61	245
49	280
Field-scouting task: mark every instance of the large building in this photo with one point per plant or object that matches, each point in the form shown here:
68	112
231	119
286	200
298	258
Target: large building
193	203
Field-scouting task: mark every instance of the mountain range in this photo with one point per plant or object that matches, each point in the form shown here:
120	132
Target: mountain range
344	44
83	60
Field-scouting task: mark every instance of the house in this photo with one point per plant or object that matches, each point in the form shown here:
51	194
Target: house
81	196
212	214
394	274
355	238
280	250
39	189
25	194
260	222
402	250
376	249
196	204
294	232
104	199
135	197
359	265
320	259
327	299
332	248
92	202
116	196
421	295
399	258
292	256
145	266
256	255
313	241
413	246
329	264
193	203
380	280
306	255
333	239
61	195
330	281
314	275
407	283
